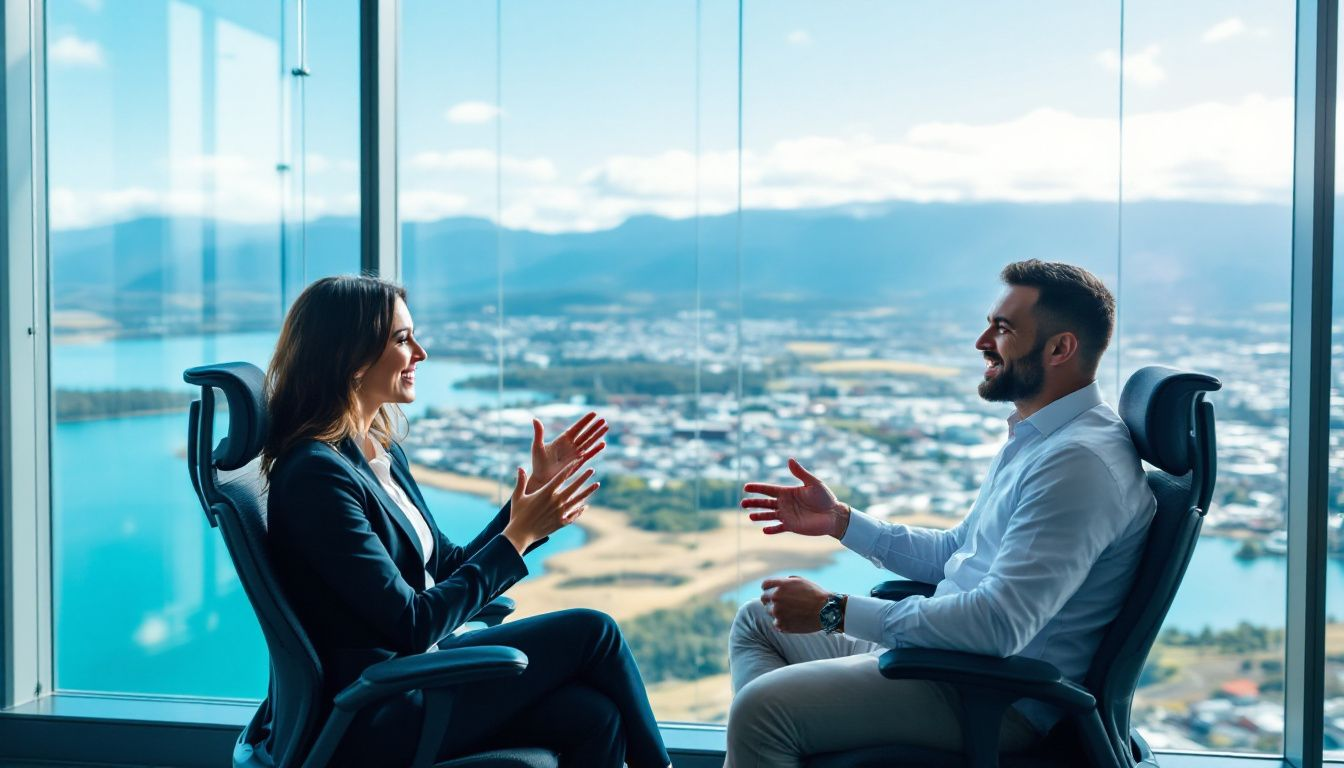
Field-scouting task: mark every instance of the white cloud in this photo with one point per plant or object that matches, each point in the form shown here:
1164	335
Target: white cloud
1216	152
92	5
1141	68
1225	30
73	51
799	37
471	113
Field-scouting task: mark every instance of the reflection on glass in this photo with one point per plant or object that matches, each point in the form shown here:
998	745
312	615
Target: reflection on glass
167	159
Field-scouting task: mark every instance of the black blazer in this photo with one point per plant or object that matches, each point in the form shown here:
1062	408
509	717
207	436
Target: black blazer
350	563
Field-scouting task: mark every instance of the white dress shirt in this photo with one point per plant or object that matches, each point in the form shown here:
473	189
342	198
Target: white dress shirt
1042	562
382	467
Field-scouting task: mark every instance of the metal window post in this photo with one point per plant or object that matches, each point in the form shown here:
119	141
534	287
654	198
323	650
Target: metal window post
25	424
1309	387
380	244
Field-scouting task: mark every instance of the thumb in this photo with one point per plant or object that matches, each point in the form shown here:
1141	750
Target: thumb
802	474
538	434
520	484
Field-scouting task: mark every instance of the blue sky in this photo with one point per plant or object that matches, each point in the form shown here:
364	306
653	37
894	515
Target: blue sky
596	104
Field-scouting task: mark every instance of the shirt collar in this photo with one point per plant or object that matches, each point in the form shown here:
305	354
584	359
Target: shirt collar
1062	410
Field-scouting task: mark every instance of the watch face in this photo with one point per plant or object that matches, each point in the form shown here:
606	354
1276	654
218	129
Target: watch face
830	615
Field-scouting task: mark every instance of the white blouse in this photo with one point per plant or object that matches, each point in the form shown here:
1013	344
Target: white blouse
382	467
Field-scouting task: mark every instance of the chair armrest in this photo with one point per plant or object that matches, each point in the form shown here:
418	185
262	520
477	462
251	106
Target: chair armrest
1027	678
437	669
900	589
495	611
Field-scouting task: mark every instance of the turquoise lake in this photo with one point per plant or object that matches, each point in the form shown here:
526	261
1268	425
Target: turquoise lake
147	600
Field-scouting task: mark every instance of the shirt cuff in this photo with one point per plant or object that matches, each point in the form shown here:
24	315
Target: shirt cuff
862	533
863	619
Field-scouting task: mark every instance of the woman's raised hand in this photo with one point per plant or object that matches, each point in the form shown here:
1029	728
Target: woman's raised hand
536	514
573	448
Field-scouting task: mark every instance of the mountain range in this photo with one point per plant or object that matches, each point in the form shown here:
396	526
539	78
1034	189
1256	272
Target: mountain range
1177	256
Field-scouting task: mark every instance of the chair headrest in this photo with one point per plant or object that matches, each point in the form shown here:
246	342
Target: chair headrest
1158	407
243	387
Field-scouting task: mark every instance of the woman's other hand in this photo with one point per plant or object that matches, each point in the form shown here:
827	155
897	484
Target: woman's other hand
576	445
534	515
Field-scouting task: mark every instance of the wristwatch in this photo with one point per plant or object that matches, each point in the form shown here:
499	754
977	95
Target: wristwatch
833	614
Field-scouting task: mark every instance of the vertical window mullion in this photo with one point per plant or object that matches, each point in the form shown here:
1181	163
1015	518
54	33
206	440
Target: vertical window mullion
380	250
1309	384
26	670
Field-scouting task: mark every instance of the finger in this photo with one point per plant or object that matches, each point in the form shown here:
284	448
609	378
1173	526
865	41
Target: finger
772	583
584	494
773	529
577	427
573	514
802	474
760	517
765	488
585	458
598	429
760	503
565	494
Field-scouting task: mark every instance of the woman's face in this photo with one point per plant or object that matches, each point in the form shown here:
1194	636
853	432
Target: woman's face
392	378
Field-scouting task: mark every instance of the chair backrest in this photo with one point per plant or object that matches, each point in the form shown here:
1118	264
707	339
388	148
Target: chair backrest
228	481
1172	428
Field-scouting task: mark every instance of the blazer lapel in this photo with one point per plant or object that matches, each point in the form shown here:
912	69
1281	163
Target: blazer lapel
352	452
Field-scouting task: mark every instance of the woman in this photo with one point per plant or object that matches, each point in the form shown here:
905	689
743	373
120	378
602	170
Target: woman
372	577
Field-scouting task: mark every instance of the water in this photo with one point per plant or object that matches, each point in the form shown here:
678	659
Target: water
158	364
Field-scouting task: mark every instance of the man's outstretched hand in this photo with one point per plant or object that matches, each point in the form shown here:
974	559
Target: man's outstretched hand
809	509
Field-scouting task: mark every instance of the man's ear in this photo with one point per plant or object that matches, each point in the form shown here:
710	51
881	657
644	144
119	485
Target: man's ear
1061	348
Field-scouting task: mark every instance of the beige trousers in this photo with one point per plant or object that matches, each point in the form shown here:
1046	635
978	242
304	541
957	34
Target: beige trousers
800	695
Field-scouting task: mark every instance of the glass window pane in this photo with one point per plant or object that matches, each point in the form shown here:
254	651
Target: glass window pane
552	237
1205	286
168	145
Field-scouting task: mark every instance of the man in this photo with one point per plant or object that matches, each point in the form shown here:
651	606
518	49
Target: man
1038	568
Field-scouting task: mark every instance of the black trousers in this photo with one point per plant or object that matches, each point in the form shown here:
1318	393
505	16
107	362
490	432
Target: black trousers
581	696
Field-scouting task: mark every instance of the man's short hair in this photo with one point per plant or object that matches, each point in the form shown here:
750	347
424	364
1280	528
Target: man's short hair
1071	299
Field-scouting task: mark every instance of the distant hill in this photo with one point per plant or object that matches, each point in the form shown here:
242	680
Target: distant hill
1200	256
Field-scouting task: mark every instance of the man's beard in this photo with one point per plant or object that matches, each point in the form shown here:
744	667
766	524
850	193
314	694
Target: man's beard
1021	378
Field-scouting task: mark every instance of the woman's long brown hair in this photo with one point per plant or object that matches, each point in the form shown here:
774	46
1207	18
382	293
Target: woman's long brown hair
337	326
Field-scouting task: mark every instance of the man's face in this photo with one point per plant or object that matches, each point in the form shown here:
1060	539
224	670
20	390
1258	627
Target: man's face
1013	367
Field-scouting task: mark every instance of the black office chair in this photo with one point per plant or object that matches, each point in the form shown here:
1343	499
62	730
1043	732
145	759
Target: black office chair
1172	428
293	726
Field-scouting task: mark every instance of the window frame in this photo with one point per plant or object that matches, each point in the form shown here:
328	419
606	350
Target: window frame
38	723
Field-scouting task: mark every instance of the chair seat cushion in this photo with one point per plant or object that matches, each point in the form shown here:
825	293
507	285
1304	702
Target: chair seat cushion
506	758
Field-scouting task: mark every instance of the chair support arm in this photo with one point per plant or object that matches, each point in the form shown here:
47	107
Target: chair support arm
1023	678
899	589
495	611
438	669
